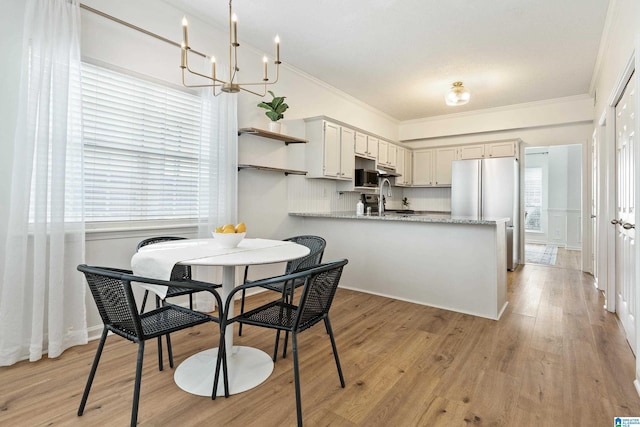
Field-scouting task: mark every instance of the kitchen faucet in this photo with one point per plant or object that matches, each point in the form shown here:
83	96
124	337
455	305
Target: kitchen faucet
381	197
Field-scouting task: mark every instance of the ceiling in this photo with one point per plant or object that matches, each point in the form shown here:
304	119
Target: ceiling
401	56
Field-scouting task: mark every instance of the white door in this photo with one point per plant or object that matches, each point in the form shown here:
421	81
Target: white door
625	209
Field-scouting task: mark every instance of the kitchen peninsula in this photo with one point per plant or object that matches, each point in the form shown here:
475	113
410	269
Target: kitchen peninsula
454	263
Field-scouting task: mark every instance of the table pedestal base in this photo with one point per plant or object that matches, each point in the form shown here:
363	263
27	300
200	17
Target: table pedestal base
247	368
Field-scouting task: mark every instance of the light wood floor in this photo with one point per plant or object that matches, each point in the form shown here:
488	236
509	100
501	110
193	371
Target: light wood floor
555	358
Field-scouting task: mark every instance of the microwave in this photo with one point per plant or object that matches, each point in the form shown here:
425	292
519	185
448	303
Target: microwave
366	178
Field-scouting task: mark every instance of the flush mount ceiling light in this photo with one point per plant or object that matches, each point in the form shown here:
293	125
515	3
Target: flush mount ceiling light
231	85
457	95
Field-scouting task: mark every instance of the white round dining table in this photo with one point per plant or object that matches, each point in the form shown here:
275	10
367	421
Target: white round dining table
247	366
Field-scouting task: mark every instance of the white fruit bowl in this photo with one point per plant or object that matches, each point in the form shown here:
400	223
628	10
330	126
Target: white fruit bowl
228	240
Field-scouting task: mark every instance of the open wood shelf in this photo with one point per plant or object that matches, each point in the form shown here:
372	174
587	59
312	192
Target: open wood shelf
271	135
270	169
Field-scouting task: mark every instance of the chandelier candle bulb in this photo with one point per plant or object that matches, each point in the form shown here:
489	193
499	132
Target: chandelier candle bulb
185	35
264	61
213	68
277	49
234	19
183	56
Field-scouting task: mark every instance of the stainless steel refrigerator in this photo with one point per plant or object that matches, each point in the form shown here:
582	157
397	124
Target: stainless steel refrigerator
489	188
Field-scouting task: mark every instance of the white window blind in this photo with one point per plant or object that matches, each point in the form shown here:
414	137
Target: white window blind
141	148
533	198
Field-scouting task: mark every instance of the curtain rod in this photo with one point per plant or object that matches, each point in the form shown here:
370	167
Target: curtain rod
136	28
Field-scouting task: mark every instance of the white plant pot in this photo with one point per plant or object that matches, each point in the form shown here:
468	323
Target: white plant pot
274	127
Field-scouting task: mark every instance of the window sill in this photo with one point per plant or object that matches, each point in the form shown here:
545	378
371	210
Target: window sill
115	230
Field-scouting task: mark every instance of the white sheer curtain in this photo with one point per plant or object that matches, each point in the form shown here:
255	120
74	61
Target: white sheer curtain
42	296
218	191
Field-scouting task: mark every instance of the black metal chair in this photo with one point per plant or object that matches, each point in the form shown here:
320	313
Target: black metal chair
179	272
320	284
316	245
111	290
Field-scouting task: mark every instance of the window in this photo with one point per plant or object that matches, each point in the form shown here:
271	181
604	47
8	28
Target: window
142	148
533	199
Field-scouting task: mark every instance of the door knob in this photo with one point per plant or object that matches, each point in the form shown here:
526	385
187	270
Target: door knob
614	221
628	226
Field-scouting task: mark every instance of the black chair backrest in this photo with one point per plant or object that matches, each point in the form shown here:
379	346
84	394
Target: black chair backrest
115	301
315	244
179	272
317	295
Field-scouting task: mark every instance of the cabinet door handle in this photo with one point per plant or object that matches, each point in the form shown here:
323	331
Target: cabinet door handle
614	221
628	226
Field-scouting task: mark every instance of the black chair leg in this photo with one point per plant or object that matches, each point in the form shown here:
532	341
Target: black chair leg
221	360
289	299
327	325
92	374
144	301
136	387
275	348
296	377
242	307
190	301
160	365
244	280
169	350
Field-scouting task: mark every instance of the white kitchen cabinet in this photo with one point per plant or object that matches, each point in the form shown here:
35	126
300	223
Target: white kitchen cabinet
502	149
360	146
330	151
372	146
471	152
403	167
423	167
347	155
400	169
382	153
444	157
408	167
392	155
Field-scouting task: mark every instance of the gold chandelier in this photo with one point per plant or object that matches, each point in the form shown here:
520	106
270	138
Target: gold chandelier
231	85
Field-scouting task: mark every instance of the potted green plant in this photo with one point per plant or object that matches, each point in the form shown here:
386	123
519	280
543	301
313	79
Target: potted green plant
275	111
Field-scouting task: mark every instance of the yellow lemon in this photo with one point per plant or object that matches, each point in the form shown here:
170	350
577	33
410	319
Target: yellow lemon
229	228
241	228
219	230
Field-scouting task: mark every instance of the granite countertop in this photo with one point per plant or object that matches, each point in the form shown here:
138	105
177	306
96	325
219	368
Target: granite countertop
432	217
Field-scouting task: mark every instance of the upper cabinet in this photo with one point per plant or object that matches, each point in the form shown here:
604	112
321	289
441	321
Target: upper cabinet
444	157
366	146
502	149
330	151
403	167
471	152
382	153
423	167
387	154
